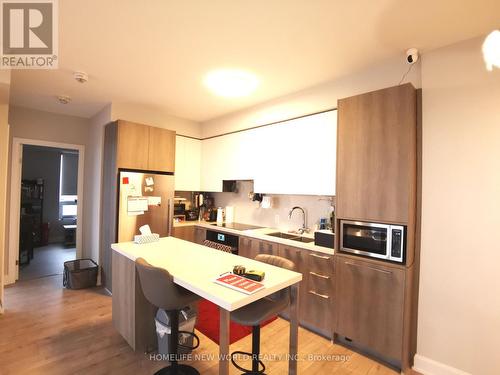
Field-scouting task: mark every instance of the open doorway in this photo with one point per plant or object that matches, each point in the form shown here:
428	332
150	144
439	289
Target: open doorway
48	214
46	208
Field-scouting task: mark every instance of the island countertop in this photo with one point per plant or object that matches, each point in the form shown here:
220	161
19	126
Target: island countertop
195	267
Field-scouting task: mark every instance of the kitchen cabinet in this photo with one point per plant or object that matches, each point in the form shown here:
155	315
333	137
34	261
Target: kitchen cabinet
269	248
144	147
200	235
316	288
298	257
213	164
251	247
248	247
317	303
370	304
187	164
132	148
128	145
228	157
186	233
298	156
161	150
291	157
376	158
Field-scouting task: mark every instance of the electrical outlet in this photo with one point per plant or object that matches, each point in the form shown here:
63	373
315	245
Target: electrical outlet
277	219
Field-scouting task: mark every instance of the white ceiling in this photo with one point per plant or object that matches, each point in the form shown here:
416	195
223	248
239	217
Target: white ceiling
156	52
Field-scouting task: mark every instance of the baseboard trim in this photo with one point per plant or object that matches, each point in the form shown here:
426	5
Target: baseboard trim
427	366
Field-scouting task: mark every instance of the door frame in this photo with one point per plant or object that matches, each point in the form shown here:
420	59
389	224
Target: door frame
15	199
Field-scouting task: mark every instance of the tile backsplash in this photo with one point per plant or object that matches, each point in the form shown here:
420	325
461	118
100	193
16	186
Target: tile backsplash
248	212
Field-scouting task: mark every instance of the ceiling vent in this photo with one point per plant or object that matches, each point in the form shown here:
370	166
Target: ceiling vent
63	99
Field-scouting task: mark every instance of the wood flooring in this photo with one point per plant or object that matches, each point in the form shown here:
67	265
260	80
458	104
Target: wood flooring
50	330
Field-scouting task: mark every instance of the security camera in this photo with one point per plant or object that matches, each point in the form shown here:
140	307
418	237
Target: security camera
412	56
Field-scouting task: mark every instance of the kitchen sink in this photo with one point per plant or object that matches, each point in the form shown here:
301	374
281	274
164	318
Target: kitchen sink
303	239
286	236
291	236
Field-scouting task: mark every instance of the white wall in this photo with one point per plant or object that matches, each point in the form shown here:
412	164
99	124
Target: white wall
459	308
92	184
46	126
154	117
4	147
314	99
248	212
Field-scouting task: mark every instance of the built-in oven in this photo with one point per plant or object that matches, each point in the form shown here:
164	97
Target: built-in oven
222	241
383	241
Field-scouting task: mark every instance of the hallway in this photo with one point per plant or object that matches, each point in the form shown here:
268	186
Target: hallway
47	261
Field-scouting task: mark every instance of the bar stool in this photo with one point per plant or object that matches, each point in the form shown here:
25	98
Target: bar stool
259	311
160	290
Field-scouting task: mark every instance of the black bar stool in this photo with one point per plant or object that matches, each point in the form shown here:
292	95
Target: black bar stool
160	290
257	312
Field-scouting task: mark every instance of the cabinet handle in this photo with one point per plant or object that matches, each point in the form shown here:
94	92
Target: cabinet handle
319	256
371	268
318	275
319	295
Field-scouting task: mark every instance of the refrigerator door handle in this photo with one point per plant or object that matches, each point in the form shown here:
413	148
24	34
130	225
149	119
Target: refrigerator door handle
170	216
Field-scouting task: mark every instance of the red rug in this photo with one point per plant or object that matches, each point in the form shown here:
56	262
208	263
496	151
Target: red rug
208	323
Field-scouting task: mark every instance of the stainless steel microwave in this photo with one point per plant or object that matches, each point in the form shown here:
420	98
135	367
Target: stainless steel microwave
383	241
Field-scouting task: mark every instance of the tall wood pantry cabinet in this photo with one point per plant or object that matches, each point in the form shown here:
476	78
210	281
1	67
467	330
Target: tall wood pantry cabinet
377	182
128	145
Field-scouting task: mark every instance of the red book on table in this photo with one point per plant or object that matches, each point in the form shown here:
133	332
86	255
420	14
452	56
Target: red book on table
239	283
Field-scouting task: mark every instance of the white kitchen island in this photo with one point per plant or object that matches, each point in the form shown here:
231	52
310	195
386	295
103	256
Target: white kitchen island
194	267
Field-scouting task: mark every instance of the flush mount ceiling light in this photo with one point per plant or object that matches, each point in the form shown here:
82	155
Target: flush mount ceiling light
491	50
231	83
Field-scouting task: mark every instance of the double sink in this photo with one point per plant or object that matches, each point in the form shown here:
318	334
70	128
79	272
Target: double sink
291	236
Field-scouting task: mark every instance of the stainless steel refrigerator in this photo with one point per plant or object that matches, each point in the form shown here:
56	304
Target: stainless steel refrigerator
144	198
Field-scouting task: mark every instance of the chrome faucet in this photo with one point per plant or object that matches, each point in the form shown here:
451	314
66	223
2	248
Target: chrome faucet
304	227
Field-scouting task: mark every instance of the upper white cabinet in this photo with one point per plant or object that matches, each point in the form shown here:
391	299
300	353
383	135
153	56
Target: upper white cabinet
291	157
187	164
297	156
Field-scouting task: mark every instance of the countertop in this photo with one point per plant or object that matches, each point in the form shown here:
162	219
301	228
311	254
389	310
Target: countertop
195	267
261	234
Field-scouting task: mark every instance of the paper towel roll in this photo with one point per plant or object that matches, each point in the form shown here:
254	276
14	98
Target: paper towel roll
266	202
229	214
220	216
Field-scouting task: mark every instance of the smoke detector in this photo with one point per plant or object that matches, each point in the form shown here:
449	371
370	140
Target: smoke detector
81	77
63	99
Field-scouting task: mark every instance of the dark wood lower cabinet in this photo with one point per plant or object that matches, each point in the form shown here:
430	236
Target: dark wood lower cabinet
370	305
317	301
316	288
200	235
184	233
298	257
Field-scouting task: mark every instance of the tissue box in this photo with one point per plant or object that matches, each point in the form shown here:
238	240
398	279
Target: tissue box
146	238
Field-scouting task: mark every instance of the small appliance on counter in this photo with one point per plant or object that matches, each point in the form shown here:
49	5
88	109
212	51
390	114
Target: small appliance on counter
325	238
212	214
192	215
220	215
